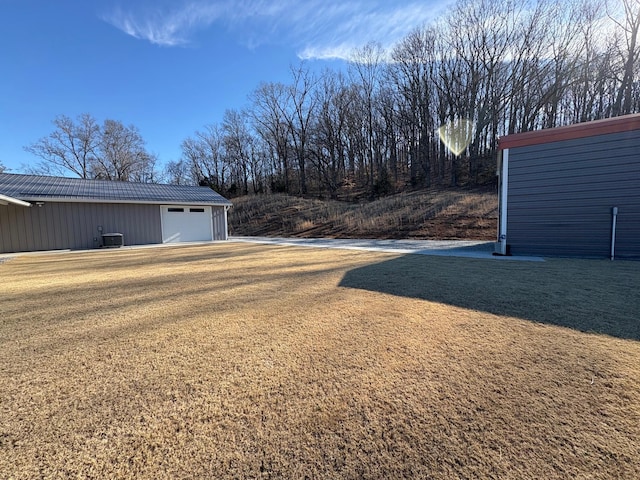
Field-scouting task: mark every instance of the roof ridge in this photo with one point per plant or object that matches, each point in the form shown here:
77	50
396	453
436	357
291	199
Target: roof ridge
41	187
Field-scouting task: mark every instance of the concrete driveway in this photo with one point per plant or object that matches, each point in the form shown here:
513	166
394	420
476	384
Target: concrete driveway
446	248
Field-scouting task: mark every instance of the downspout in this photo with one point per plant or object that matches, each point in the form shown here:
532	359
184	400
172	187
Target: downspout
503	172
614	220
226	226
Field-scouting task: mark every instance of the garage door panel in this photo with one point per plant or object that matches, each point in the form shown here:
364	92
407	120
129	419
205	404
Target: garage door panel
186	223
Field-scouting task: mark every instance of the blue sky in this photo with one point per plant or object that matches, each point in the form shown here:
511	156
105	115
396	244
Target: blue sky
169	67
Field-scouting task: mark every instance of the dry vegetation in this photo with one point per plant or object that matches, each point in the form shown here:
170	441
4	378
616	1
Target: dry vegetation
431	214
245	361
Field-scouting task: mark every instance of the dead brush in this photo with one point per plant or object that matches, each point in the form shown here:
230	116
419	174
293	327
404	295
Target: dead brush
429	214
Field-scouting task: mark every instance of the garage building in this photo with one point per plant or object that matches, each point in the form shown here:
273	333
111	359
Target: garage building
572	191
52	213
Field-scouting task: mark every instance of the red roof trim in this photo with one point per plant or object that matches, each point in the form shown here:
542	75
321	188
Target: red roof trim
624	123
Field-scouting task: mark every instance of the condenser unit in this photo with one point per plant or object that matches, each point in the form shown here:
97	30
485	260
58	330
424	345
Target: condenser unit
112	240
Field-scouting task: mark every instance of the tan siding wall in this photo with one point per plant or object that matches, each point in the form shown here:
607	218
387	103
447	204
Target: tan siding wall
57	226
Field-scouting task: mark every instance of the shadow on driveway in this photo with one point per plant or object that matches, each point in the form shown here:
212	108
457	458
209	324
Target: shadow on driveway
595	296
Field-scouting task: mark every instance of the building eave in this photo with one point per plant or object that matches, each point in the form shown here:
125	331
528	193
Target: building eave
45	199
6	200
606	126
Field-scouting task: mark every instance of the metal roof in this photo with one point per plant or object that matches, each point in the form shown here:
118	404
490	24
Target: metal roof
623	123
41	188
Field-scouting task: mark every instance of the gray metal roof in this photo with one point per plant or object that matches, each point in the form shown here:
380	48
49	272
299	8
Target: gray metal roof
40	188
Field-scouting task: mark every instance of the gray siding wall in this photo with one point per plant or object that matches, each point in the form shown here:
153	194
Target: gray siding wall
219	224
561	194
75	225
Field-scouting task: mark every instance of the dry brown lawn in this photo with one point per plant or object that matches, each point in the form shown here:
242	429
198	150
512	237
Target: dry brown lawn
246	361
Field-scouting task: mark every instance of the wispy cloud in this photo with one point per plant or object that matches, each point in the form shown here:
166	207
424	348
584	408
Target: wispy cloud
381	22
165	27
316	28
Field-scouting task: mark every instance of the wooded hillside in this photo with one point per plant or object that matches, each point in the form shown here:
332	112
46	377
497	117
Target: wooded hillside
493	67
436	214
484	68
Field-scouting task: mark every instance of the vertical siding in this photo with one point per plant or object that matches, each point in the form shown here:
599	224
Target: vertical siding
561	194
219	224
5	231
57	226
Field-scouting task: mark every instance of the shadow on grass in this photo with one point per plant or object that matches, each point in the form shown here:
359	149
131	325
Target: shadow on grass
594	296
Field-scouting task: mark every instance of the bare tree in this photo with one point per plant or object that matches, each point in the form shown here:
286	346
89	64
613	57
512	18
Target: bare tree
628	52
529	68
122	155
206	158
366	73
270	122
329	150
71	147
178	172
412	73
111	152
258	160
237	141
299	116
586	94
482	33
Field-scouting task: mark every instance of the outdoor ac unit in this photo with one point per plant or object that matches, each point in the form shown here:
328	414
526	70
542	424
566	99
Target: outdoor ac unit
112	240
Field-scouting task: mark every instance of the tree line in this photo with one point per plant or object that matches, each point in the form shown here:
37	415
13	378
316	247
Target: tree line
505	66
500	66
111	151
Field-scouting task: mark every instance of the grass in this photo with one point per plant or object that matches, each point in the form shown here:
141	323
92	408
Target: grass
430	214
246	361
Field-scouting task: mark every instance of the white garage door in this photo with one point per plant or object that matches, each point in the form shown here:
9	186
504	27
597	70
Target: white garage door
186	224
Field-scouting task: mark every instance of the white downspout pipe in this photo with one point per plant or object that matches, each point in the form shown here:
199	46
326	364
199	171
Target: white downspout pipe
614	220
504	188
226	222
